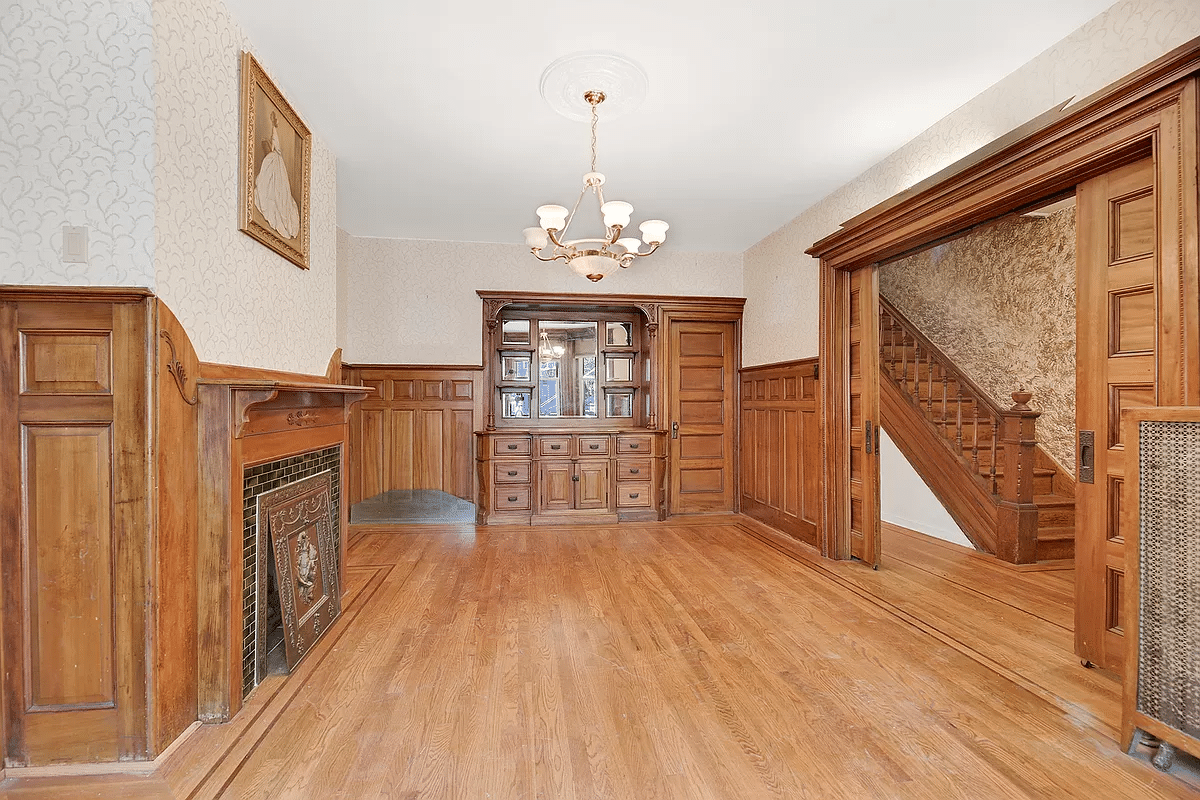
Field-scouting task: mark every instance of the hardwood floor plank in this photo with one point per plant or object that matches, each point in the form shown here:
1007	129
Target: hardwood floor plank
673	660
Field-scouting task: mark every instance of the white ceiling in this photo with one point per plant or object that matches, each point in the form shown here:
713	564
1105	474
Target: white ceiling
756	108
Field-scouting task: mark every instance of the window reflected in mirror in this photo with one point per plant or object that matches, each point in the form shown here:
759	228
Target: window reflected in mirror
515	404
567	357
515	367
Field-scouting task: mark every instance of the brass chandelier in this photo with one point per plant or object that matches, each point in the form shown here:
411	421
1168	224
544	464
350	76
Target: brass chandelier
598	256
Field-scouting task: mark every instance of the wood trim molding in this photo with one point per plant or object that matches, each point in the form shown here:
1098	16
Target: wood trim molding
75	294
795	362
1098	134
212	372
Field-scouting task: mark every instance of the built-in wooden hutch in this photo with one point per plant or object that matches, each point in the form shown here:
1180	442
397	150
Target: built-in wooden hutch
571	410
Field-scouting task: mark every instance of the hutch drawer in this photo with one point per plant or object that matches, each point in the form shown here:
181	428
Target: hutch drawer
511	471
512	445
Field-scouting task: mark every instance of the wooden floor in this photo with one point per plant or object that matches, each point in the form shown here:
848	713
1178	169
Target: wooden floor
711	660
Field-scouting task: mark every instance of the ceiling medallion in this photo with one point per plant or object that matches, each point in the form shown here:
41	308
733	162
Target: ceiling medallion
575	86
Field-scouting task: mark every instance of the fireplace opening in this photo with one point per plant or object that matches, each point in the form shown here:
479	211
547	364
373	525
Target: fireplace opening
275	660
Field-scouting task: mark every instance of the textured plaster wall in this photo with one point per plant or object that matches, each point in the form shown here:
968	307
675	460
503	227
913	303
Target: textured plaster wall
239	302
1000	302
781	282
413	301
76	140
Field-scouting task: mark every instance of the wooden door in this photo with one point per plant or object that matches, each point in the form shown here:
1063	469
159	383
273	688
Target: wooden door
1118	358
591	488
702	407
863	336
555	479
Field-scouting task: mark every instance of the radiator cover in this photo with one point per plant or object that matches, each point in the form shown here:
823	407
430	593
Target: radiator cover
1168	656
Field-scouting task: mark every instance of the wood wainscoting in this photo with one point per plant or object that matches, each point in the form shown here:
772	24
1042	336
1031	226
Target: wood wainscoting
97	525
416	431
781	447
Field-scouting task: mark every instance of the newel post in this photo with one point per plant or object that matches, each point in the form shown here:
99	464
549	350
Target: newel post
1017	539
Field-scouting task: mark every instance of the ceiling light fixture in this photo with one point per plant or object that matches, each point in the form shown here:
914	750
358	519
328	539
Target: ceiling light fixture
597	256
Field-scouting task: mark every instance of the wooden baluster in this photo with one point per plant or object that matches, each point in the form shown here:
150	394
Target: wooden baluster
916	390
892	346
995	441
974	436
904	360
945	422
929	399
958	425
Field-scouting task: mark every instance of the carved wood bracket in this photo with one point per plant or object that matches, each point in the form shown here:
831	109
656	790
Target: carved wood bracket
177	371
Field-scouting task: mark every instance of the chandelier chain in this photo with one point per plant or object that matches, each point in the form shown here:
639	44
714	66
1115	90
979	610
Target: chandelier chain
593	137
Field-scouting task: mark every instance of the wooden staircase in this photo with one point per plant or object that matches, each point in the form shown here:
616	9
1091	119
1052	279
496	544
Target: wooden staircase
962	442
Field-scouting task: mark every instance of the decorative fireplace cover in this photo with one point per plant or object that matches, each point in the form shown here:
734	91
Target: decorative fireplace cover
298	518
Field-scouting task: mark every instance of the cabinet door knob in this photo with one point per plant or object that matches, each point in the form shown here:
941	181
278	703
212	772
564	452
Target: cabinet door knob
574	477
512	472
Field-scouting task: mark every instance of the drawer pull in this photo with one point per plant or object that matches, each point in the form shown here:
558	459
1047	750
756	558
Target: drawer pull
512	472
634	471
512	498
594	446
556	447
512	447
634	495
633	445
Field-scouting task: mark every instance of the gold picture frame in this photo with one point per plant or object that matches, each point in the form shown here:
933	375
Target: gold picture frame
275	169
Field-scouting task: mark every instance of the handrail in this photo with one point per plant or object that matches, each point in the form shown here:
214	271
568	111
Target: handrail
942	358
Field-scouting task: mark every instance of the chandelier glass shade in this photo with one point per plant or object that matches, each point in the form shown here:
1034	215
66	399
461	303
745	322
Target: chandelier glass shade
597	256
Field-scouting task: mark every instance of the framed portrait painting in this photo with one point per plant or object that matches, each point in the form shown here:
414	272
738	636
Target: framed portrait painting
275	167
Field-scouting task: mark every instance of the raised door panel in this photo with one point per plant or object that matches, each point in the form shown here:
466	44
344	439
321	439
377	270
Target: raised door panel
428	450
1118	293
372	457
67	363
402	435
68	581
555	481
592	486
459	479
702	404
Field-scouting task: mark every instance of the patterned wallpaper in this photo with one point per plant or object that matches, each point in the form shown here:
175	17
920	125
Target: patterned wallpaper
76	140
781	282
1000	302
413	301
239	302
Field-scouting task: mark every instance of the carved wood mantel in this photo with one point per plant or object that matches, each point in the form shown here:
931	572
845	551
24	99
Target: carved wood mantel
242	423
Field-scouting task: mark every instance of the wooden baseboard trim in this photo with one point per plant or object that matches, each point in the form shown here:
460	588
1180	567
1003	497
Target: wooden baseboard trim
101	768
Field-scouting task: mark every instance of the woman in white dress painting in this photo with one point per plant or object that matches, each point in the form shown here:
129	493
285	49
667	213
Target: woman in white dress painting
273	191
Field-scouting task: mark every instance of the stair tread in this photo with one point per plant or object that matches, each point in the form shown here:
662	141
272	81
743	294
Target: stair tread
1055	533
1049	500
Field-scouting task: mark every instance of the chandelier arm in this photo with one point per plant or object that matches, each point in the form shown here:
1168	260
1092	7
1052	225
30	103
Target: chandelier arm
555	239
538	255
571	216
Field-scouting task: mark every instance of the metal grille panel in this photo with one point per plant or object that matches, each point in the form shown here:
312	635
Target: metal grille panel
1169	565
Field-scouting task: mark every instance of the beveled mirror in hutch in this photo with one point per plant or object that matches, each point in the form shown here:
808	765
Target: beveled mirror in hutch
568	363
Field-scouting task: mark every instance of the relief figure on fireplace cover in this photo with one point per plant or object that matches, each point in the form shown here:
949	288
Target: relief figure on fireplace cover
306	566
